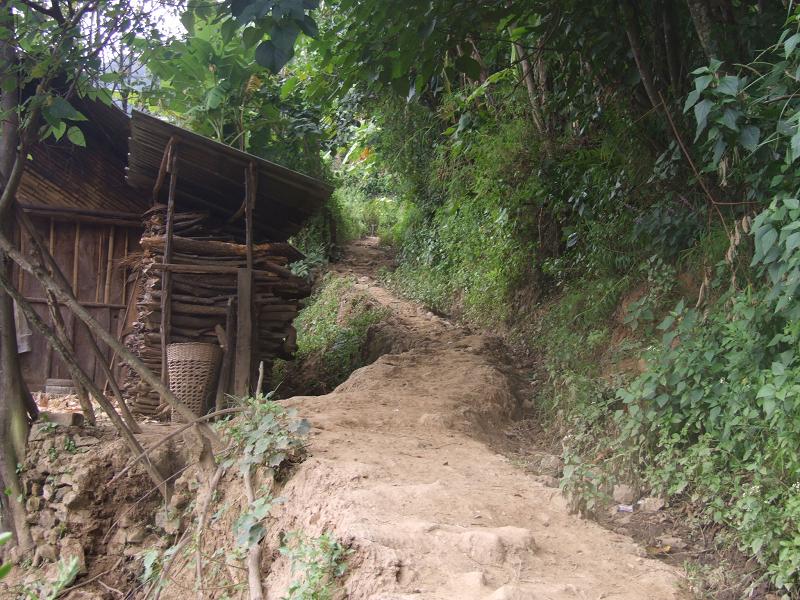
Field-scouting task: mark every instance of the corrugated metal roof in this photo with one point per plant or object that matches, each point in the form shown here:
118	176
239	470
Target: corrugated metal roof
211	177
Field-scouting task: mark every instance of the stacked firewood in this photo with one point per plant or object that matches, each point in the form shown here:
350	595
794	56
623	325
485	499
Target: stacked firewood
203	295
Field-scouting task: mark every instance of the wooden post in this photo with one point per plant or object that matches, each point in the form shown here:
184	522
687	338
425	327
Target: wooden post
48	357
109	266
166	275
251	187
99	271
75	254
244	334
244	322
47	257
227	358
124	296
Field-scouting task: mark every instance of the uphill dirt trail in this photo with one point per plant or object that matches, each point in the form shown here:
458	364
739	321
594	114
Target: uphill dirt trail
401	469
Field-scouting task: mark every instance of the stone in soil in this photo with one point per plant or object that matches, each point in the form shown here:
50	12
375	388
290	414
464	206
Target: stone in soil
624	494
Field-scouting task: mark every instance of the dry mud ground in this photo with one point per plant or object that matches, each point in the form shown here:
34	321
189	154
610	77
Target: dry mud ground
400	468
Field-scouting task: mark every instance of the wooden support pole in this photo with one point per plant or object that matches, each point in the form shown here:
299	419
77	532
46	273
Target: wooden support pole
124	295
251	185
78	374
47	258
109	266
244	334
48	357
57	322
99	269
227	357
108	338
162	171
21	273
166	275
75	253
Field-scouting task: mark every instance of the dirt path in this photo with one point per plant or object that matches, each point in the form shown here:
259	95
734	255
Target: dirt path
399	468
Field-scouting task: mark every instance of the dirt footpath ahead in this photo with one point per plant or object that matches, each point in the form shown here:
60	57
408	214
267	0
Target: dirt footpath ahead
398	467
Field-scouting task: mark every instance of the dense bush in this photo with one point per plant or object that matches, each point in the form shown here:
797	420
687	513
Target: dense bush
714	419
573	213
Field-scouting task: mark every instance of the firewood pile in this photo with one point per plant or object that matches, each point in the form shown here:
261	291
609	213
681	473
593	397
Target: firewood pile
203	295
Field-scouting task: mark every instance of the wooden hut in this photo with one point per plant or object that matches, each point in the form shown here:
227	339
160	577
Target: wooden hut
167	237
90	219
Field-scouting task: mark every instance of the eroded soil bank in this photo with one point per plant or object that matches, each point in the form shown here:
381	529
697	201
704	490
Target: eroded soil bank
400	469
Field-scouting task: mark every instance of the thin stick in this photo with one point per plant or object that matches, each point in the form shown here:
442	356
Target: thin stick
166	275
91	579
75	254
79	375
166	438
109	266
47	258
99	267
57	322
260	384
162	170
254	552
124	295
121	329
697	175
132	360
202	513
185	537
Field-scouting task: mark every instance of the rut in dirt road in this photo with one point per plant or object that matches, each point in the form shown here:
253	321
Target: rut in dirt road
397	469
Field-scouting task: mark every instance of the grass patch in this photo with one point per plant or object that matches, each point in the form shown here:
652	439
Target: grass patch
331	332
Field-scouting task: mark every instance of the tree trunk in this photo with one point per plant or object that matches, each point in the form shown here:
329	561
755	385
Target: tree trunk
13	394
529	78
703	25
670	30
634	38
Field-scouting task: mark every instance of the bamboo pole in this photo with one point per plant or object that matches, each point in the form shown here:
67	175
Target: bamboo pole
57	322
109	266
99	269
75	254
130	359
166	275
80	375
124	296
47	258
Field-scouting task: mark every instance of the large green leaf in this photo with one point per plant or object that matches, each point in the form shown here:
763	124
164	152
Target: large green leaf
272	57
75	135
469	66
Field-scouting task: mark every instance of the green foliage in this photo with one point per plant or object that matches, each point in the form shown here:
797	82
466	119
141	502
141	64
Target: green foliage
331	332
5	569
317	565
59	60
50	590
248	529
209	81
266	435
747	122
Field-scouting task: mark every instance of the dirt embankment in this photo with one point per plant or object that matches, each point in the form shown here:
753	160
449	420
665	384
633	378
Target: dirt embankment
401	470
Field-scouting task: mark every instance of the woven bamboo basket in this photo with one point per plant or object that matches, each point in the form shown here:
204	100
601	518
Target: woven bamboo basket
192	374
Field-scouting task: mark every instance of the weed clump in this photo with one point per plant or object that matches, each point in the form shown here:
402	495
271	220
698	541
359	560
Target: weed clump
331	333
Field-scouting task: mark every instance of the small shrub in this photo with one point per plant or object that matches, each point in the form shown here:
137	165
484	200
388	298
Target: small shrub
317	565
331	332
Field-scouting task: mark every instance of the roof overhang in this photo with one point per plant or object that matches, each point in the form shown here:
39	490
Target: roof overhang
211	176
